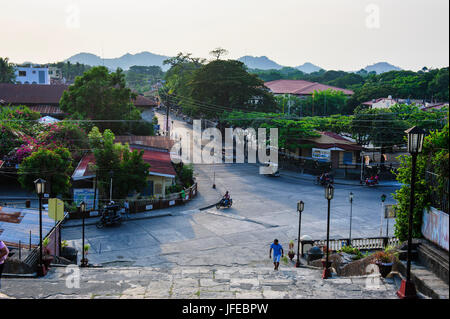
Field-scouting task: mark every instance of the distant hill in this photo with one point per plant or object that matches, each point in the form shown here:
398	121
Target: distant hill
261	62
382	67
308	67
124	62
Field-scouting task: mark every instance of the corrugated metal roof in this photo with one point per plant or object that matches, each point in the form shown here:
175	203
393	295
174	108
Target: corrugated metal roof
300	87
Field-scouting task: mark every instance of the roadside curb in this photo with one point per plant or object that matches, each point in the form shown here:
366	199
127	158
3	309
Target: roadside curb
336	183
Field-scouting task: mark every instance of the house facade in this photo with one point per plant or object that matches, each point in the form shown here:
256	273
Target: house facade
32	75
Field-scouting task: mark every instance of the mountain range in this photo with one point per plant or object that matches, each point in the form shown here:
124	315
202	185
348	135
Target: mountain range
147	59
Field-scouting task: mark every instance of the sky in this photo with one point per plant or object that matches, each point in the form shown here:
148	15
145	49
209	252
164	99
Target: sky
334	34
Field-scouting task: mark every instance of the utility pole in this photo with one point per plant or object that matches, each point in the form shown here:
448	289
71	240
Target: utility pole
167	118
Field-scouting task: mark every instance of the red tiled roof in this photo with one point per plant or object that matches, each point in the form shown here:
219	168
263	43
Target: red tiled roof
300	87
142	101
34	94
160	164
330	140
38	94
161	142
46	109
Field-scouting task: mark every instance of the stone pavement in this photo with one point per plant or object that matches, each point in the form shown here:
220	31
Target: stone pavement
198	283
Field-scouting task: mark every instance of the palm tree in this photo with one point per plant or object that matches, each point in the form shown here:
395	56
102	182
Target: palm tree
7	71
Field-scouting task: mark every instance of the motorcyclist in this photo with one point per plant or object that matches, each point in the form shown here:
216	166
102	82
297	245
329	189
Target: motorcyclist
226	198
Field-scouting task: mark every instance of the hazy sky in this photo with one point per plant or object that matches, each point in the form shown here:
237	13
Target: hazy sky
334	34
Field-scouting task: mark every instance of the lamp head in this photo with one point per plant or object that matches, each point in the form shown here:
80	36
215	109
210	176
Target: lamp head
300	206
415	140
39	185
350	196
83	207
329	192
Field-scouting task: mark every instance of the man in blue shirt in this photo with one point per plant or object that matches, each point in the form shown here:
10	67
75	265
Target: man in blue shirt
278	252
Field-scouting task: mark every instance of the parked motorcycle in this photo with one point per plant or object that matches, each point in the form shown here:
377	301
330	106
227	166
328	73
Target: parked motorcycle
224	203
325	180
372	181
110	216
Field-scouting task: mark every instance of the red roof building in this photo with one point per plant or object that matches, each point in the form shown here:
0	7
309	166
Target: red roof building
300	87
160	164
47	95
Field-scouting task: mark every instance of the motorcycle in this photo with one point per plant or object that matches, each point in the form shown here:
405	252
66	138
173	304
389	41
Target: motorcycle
324	181
110	216
224	203
371	181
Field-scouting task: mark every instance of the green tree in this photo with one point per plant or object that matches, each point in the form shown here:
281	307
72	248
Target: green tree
128	169
225	85
103	97
7	71
434	159
55	166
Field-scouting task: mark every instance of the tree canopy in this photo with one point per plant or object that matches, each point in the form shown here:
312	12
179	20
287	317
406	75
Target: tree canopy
102	97
7	71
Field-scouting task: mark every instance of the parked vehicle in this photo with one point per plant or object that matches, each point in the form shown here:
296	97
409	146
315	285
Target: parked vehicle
275	172
371	181
325	179
224	203
110	216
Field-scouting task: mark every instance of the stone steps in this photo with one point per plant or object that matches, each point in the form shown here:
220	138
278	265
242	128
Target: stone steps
426	281
435	259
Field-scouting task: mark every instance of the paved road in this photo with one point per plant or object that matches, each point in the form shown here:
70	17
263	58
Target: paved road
263	209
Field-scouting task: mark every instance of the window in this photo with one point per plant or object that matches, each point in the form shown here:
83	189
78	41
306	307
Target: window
348	158
22	73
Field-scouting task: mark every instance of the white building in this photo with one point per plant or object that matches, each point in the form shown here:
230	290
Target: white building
30	75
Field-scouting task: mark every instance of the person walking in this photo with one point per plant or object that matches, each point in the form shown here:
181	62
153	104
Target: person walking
278	253
126	205
3	255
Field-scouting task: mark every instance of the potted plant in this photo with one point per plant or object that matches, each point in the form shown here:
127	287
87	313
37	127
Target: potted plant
86	250
291	252
384	260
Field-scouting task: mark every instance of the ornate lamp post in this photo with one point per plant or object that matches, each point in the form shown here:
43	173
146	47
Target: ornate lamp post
40	190
300	207
83	214
383	198
111	174
415	143
329	192
350	198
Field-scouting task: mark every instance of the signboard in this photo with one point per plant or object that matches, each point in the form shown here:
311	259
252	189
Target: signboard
86	195
389	211
56	209
148	207
171	203
321	154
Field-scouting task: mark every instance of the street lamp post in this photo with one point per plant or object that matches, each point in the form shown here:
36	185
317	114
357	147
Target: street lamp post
111	173
350	197
329	192
300	207
40	190
415	141
383	198
83	213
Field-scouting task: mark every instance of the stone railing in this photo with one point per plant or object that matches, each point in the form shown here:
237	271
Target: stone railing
360	243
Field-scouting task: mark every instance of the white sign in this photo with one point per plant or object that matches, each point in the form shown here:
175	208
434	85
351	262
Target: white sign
171	203
321	154
148	207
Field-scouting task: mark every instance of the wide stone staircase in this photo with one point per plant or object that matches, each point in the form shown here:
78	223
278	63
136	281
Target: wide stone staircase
197	282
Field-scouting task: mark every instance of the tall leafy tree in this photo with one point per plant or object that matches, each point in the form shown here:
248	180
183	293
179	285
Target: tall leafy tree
7	70
127	168
103	97
224	85
53	165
